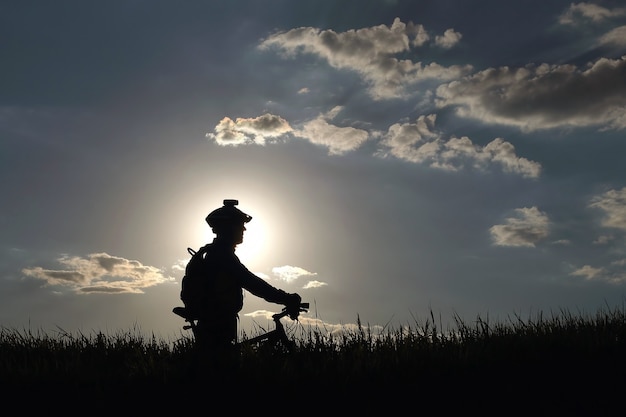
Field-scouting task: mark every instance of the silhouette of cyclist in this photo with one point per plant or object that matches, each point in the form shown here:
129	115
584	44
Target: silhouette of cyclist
227	277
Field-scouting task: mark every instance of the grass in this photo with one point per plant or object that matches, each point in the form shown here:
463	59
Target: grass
561	363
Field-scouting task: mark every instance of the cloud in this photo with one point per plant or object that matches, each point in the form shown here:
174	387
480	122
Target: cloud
371	52
613	203
421	36
327	330
314	284
413	142
603	240
544	96
419	143
260	313
449	39
613	274
578	12
615	37
100	273
334	331
180	265
338	140
529	227
589	272
249	130
290	273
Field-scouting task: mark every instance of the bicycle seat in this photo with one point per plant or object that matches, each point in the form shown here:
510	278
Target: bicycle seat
182	312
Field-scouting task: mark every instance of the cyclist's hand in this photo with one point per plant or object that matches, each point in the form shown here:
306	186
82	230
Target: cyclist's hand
293	305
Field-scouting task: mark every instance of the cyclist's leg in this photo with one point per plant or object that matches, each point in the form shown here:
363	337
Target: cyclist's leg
215	343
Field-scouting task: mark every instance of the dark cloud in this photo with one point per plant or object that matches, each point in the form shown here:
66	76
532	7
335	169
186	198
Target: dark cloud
544	96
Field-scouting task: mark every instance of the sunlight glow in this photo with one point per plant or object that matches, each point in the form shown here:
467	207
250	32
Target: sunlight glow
258	249
256	242
256	239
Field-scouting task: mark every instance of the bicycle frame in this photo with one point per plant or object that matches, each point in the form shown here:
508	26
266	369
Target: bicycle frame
278	335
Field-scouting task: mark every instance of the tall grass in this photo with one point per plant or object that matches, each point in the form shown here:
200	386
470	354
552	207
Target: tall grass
577	356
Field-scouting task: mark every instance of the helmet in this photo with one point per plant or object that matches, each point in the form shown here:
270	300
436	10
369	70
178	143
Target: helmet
227	214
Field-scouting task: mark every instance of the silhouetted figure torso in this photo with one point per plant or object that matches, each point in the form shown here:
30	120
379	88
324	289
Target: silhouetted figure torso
223	300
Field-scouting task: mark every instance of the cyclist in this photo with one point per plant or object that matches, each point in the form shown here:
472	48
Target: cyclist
225	278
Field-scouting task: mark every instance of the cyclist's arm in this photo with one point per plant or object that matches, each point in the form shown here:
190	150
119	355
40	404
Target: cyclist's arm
262	288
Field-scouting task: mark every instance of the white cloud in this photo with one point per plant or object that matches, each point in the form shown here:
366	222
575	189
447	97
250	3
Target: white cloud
290	273
255	130
589	272
371	53
338	140
180	265
529	227
619	262
613	203
503	153
100	273
449	39
421	36
314	284
577	12
419	143
262	275
615	37
260	313
416	142
611	275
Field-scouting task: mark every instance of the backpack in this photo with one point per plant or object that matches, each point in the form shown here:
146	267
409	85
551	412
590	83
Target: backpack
195	281
206	290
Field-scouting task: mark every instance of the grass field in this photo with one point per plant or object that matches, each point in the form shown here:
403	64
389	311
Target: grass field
561	364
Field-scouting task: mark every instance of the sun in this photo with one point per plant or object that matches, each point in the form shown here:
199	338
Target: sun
262	233
256	243
259	246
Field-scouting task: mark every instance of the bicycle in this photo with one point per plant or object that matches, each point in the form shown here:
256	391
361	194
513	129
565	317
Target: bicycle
275	337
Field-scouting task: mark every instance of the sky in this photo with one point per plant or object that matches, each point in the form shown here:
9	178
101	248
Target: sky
398	158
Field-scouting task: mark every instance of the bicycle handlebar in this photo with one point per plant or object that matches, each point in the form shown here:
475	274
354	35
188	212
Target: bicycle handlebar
285	312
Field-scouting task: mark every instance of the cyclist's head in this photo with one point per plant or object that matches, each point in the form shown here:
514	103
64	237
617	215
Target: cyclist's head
227	217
